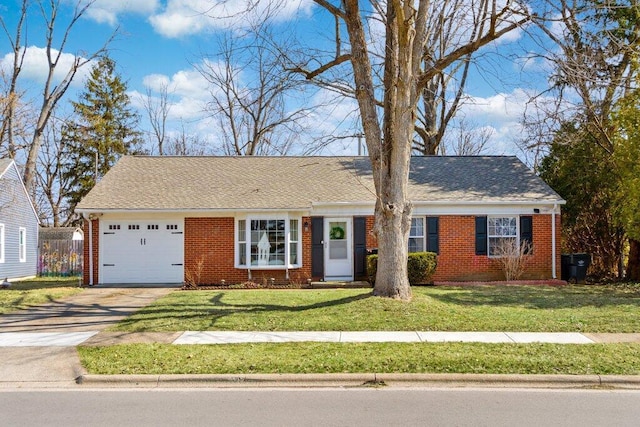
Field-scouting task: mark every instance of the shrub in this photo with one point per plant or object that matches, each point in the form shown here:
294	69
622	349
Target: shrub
512	258
421	267
372	268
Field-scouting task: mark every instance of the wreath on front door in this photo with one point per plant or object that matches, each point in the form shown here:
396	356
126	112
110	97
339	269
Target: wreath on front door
336	233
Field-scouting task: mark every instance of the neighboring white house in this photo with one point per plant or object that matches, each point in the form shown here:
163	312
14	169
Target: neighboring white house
18	226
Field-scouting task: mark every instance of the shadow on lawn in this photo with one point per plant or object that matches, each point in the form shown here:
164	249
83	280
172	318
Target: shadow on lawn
45	283
218	309
539	297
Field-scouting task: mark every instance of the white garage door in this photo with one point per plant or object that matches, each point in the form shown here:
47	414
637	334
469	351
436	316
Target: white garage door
142	252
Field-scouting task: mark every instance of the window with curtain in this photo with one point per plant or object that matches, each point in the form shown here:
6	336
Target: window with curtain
268	242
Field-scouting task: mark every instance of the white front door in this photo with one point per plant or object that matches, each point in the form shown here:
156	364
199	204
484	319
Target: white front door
338	249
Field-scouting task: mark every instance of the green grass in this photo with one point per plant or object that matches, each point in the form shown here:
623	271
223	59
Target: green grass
599	359
610	308
30	292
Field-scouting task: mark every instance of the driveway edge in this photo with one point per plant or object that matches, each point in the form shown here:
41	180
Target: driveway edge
363	380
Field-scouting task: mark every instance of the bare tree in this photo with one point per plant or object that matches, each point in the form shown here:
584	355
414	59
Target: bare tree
157	109
466	139
16	115
437	108
593	60
52	91
443	94
51	185
12	95
406	73
183	144
251	95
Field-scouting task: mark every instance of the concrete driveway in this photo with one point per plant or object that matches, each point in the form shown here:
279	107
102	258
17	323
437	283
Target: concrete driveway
92	310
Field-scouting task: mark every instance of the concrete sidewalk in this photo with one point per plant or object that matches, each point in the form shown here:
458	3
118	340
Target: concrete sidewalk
97	338
50	360
38	349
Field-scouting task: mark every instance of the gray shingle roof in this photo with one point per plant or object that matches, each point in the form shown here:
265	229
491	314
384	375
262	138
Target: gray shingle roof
238	183
4	164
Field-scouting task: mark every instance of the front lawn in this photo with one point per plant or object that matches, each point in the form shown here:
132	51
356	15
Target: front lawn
41	290
585	359
611	308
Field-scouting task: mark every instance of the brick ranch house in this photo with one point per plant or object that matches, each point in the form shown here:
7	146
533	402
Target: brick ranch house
209	219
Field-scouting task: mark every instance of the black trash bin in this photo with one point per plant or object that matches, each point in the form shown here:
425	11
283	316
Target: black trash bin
574	267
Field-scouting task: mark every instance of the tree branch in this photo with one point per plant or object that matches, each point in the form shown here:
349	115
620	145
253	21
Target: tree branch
331	8
309	75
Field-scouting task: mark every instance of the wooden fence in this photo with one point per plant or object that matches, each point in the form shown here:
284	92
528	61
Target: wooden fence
60	257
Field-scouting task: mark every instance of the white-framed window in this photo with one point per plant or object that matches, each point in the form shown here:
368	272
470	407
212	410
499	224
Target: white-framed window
417	235
294	241
242	242
1	243
22	244
502	233
268	242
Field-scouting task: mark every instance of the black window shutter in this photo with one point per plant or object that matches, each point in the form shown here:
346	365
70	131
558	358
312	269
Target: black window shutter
526	232
433	244
481	235
359	246
317	246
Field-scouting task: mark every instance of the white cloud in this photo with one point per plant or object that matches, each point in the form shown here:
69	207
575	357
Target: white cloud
187	17
557	26
35	66
189	83
334	116
501	107
107	11
187	92
502	113
156	82
510	37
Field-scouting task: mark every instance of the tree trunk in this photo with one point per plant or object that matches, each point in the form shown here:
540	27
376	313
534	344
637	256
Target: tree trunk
633	264
392	227
29	176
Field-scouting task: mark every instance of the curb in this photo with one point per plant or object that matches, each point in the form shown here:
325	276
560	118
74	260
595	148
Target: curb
363	380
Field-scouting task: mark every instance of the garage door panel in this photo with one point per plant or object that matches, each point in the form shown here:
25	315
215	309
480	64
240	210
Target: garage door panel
142	252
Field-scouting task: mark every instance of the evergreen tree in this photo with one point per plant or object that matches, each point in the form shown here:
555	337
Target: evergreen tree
104	129
584	174
626	118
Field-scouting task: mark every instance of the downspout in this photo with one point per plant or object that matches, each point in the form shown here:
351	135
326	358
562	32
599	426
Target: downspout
88	218
553	242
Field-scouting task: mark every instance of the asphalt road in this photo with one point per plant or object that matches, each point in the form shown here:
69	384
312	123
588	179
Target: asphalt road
319	407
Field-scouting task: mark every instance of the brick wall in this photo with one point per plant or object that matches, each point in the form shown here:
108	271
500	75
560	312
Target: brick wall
372	240
457	260
209	251
87	259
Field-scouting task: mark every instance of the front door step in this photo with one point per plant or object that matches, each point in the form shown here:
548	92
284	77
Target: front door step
338	284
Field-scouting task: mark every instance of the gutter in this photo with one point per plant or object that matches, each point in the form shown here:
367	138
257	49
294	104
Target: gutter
90	218
186	210
553	242
86	211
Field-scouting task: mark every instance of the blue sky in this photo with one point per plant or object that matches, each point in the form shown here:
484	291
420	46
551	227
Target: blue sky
161	40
